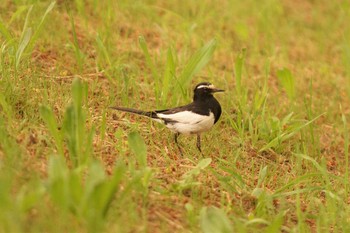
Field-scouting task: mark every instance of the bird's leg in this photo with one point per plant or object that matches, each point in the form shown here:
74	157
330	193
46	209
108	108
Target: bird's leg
178	146
199	142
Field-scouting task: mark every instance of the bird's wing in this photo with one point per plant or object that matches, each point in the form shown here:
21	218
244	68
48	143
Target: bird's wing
177	109
187	114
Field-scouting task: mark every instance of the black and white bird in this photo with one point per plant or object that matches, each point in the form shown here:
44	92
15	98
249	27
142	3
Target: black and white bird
194	118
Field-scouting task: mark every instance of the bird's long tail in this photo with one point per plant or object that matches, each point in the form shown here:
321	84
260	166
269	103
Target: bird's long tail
150	114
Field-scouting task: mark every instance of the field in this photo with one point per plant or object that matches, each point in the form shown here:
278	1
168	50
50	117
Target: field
277	161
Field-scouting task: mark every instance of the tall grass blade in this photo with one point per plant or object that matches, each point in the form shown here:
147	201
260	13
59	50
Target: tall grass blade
309	189
38	28
323	170
296	181
287	81
26	22
262	176
138	146
314	162
259	191
239	64
169	75
79	55
286	135
195	64
22	45
103	49
151	65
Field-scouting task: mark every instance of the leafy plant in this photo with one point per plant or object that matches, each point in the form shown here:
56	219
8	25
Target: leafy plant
85	191
78	138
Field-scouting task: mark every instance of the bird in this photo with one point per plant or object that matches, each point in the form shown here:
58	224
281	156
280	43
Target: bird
194	118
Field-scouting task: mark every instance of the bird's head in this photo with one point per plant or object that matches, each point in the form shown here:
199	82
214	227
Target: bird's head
204	89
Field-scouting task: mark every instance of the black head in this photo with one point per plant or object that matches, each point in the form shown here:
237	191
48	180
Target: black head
205	89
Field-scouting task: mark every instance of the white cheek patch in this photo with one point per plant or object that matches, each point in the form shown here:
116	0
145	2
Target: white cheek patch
211	86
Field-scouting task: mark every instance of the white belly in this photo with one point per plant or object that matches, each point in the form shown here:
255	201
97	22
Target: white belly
188	122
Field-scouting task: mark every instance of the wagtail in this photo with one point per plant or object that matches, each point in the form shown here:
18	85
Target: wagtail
194	118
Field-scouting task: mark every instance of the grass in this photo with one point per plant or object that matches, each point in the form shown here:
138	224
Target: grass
277	161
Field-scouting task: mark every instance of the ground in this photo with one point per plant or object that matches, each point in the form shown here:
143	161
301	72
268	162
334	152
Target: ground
277	161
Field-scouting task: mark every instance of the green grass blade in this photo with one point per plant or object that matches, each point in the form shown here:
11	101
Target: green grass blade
69	128
138	147
284	136
195	64
326	177
309	189
26	22
79	55
239	65
169	75
287	81
262	176
51	123
296	181
258	221
17	15
22	45
152	66
103	49
38	28
57	181
5	32
314	162
112	187
79	139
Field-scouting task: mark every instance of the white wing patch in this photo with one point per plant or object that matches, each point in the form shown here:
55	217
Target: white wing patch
188	122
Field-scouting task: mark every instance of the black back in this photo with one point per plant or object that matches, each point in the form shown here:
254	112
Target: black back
203	103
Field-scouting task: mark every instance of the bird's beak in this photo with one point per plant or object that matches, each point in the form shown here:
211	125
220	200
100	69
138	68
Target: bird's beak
216	90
